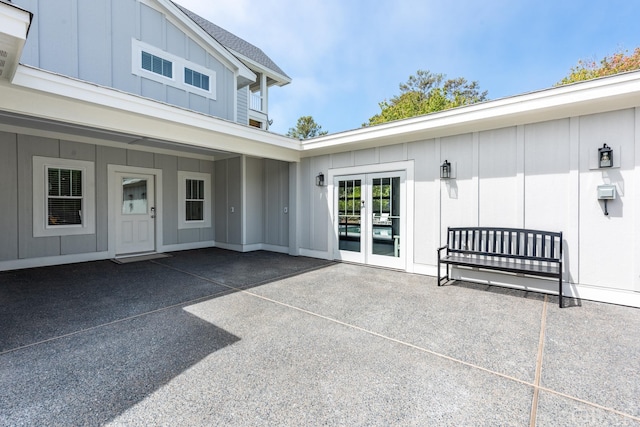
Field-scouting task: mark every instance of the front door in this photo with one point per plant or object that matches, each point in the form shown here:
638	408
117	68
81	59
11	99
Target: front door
370	221
135	213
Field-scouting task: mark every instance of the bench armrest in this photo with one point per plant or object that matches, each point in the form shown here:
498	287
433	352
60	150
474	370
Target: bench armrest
440	249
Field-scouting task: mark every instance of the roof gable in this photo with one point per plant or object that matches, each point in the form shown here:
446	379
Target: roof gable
176	14
236	44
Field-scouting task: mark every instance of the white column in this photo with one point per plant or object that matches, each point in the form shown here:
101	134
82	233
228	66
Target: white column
520	163
636	197
264	92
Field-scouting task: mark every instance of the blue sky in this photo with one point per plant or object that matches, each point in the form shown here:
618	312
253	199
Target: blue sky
345	56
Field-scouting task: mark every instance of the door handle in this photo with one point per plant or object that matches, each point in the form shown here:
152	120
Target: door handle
153	212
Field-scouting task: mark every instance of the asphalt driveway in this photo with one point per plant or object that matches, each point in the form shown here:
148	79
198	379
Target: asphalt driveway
212	337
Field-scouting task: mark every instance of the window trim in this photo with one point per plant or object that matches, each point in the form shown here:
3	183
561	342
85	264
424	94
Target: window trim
178	69
183	176
41	227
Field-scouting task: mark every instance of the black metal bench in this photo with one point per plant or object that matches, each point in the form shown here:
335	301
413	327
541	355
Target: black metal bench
513	250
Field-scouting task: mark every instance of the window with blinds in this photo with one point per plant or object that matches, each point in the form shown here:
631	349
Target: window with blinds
196	79
157	65
64	196
194	200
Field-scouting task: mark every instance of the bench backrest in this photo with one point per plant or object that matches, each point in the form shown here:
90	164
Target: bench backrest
506	242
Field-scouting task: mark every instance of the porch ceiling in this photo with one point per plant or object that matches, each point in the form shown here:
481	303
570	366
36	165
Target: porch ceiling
60	130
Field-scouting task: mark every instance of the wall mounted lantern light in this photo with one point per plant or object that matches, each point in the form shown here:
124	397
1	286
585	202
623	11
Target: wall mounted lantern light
320	179
445	170
605	156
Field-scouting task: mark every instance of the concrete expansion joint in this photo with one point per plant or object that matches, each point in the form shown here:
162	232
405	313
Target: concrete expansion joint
545	334
539	358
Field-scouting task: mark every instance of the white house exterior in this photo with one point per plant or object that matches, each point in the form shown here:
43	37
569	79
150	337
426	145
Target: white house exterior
103	157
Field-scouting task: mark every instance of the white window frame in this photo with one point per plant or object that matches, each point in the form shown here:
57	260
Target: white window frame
183	176
179	64
41	227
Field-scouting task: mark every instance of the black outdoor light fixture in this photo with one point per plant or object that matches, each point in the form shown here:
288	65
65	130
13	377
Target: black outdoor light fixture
320	179
605	156
445	170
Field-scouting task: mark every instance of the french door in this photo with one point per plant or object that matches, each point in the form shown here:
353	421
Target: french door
369	220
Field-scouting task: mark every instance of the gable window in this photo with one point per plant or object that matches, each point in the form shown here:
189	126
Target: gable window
196	79
153	63
63	197
157	65
194	200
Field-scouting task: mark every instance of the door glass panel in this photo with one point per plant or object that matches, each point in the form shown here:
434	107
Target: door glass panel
134	196
349	219
385	207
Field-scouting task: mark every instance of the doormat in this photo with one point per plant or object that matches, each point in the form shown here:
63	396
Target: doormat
147	257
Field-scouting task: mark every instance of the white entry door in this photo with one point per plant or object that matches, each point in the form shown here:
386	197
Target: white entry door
370	218
135	213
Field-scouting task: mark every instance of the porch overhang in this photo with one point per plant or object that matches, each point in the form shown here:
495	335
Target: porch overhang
591	97
55	103
14	26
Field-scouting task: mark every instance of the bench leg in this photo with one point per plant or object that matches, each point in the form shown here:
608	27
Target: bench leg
560	289
446	276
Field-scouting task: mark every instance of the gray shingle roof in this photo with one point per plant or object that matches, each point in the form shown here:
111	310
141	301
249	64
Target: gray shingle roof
233	42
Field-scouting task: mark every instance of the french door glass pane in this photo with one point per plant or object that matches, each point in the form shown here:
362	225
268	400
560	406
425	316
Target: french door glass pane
349	218
385	207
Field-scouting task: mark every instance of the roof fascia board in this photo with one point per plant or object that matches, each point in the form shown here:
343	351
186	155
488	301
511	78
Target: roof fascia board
52	96
218	50
606	94
279	78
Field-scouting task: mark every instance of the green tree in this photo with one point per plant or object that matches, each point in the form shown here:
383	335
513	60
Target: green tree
305	128
425	93
619	62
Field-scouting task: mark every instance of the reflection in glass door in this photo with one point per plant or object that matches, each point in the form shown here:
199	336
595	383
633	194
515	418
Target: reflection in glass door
369	218
349	218
385	207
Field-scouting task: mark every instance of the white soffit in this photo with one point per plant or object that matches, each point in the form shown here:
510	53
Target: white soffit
42	94
14	26
595	96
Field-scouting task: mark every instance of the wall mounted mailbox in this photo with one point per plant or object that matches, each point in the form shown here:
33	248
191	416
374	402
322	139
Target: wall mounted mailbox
606	193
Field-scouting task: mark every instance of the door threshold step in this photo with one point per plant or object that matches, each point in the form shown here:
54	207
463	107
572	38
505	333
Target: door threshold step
136	258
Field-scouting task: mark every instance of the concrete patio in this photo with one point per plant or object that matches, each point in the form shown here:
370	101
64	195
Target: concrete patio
212	337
